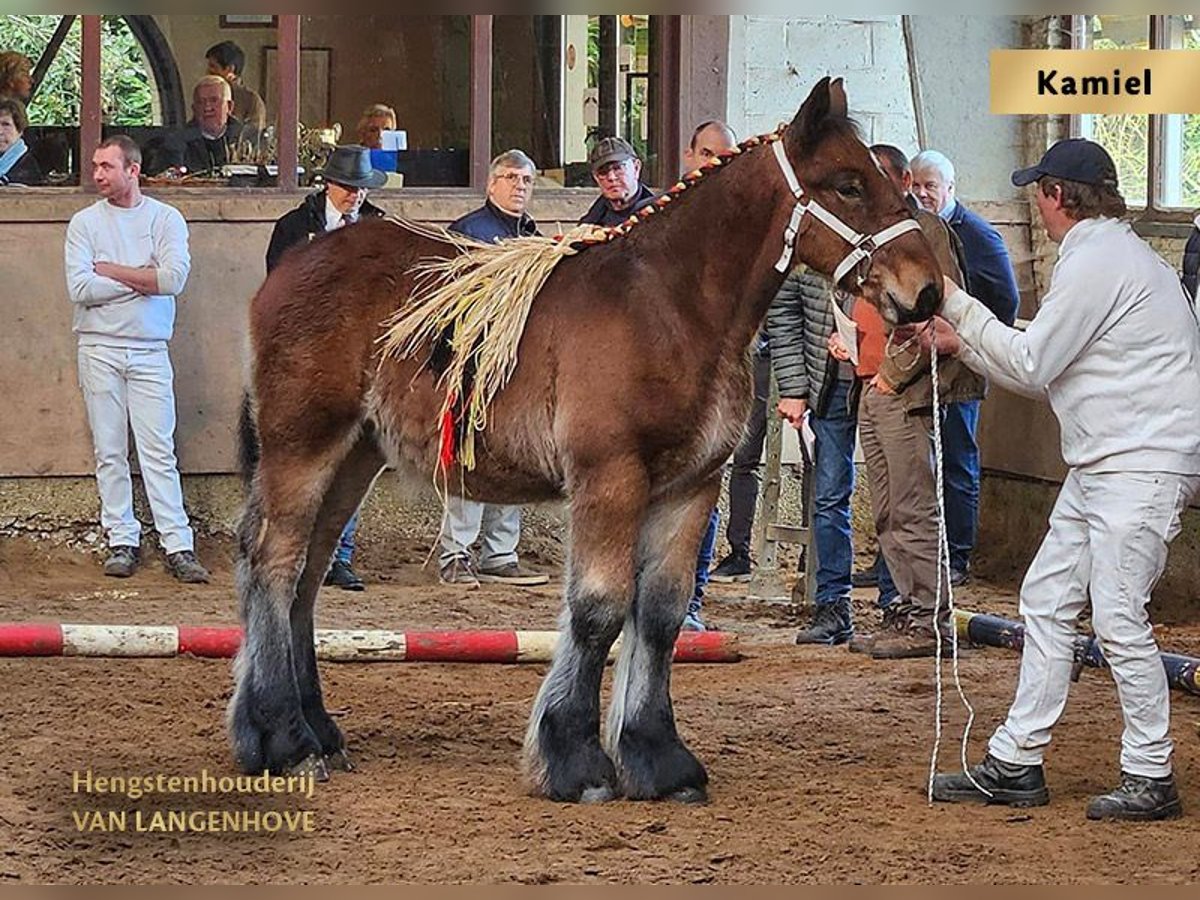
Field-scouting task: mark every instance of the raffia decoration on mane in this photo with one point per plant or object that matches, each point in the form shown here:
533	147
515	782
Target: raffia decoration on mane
481	298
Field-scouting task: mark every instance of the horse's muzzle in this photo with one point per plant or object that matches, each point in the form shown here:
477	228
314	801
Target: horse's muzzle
926	306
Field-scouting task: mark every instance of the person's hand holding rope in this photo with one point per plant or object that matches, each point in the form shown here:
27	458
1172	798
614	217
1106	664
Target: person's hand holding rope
793	409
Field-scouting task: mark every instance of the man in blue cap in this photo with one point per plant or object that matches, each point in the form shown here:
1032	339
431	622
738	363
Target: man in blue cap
1114	348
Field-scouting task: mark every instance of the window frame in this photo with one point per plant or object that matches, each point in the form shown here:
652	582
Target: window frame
1154	212
666	102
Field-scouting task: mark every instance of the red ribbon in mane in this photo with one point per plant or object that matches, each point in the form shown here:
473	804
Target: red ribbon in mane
447	449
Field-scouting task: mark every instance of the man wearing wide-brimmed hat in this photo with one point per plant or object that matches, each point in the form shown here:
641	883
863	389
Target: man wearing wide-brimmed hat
342	201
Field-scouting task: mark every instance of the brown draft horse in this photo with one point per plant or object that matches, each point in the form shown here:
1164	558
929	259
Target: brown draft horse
630	393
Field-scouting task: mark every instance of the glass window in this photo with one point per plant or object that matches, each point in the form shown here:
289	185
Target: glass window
559	83
417	66
1126	137
1179	179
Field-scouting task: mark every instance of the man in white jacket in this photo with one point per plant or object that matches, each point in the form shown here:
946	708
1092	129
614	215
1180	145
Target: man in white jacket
1116	350
126	259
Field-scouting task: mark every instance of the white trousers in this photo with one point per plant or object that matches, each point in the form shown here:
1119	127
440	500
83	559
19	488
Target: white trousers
1108	539
497	528
124	388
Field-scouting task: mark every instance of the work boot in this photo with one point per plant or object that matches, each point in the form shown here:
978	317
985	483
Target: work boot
122	562
913	636
1138	799
341	575
863	642
733	568
511	573
184	566
1008	784
831	624
959	577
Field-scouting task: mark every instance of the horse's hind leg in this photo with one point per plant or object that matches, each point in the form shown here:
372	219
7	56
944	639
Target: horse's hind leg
349	486
651	758
266	722
563	755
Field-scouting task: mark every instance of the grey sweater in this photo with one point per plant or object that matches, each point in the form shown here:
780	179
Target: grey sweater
800	321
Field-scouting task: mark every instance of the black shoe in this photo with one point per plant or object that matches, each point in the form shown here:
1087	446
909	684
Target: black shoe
831	624
1007	783
1138	799
959	577
340	575
865	578
183	566
734	567
122	562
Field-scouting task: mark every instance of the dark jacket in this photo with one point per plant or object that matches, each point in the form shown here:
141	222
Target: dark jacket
990	277
305	222
190	148
25	171
1191	260
490	223
601	212
800	320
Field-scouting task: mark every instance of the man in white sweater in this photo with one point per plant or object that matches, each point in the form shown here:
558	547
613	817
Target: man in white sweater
126	259
1115	349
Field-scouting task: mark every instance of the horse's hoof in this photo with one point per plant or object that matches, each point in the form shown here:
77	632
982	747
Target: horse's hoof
598	794
691	795
339	761
311	765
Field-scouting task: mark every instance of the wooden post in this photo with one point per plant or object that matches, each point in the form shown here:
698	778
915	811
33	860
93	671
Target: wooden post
288	156
767	583
481	100
90	116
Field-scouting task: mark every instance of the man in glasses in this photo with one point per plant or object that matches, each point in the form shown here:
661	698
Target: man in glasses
617	172
496	527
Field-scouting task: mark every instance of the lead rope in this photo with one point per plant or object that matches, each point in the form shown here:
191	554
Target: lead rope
943	567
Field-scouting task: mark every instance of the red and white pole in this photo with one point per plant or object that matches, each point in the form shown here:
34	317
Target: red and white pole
109	641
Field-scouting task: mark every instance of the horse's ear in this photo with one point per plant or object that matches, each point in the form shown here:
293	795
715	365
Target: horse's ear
814	110
837	99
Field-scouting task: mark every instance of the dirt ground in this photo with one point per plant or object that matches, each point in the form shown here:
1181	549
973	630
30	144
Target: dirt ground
817	758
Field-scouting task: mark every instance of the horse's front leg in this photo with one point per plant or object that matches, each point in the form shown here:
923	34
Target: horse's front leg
564	758
651	758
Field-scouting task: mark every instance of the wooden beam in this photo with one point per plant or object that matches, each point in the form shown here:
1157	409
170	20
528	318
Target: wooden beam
481	100
51	51
664	96
610	37
289	101
90	116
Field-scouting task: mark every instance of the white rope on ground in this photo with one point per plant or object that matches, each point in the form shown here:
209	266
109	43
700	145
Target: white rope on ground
943	567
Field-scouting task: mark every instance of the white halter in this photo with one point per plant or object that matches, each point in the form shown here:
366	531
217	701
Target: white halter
861	245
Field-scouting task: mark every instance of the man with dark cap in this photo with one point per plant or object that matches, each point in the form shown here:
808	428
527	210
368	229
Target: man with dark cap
1114	348
617	172
342	201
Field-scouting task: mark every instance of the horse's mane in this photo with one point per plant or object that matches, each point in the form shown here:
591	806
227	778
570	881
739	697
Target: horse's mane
477	300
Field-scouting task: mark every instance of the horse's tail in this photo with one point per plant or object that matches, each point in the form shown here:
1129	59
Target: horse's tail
249	447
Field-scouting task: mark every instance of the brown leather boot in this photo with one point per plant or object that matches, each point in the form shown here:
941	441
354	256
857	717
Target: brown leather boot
913	636
862	642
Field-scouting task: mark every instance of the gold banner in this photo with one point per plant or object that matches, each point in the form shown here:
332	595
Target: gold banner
1042	82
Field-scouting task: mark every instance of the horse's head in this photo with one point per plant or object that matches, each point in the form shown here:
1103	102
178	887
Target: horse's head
855	226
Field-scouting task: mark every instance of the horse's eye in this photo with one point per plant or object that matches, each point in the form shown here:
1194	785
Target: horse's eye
850	191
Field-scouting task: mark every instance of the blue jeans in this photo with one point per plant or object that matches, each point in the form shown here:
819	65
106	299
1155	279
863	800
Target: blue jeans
704	558
833	483
345	547
960	477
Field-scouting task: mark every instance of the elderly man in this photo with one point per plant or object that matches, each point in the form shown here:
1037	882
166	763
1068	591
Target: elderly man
617	171
342	201
227	60
126	260
497	527
1113	348
990	277
208	141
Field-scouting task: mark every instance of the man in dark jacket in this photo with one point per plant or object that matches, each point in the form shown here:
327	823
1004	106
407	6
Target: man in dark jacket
342	201
1191	260
497	527
617	171
990	277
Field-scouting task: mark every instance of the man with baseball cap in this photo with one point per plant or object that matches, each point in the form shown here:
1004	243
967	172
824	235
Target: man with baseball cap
1115	349
616	170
